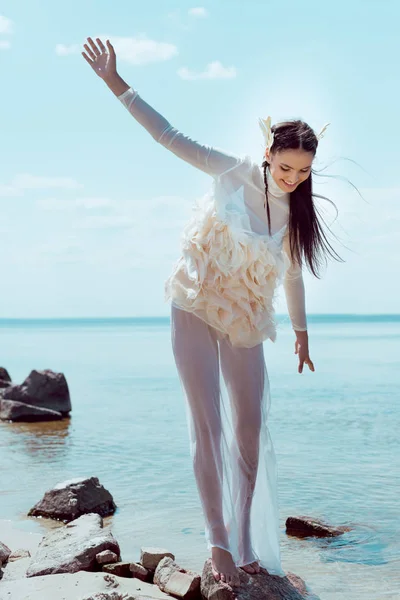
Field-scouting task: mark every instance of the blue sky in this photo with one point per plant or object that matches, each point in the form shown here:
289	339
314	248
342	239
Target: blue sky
92	207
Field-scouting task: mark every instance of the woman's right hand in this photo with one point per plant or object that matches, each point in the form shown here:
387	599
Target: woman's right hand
103	63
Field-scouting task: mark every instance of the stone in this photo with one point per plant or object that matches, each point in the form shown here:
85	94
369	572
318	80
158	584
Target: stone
70	499
140	572
18	554
44	389
260	586
4	553
176	581
11	410
304	526
106	557
73	547
121	569
150	557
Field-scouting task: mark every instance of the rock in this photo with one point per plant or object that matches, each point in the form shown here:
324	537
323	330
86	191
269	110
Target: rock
112	596
11	410
307	526
44	389
150	557
71	499
16	570
121	569
177	582
73	547
4	384
4	376
261	586
4	553
18	554
106	557
140	572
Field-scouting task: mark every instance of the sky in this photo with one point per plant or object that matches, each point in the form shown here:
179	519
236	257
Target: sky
92	207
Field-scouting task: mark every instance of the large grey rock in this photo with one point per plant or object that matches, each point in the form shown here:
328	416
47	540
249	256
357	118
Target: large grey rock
71	499
304	526
73	547
176	581
11	410
44	389
260	586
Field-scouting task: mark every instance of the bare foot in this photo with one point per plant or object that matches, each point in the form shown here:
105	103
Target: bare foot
223	567
251	568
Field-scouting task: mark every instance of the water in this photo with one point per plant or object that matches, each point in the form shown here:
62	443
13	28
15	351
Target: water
335	433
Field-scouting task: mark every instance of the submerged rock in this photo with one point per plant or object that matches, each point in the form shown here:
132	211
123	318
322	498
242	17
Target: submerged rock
304	526
44	389
11	410
71	499
73	547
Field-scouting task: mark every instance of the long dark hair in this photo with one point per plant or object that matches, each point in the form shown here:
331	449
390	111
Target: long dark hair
306	233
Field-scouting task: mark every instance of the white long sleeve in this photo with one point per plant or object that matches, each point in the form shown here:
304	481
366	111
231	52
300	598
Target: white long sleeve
293	285
206	158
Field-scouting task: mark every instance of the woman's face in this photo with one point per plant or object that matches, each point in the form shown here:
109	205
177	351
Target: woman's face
289	167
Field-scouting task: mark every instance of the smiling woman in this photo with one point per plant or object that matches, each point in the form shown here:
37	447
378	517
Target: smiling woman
246	236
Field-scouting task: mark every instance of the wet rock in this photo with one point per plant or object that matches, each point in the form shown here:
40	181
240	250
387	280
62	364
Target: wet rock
71	499
121	569
150	557
44	389
140	572
73	547
106	557
260	586
11	410
304	526
176	581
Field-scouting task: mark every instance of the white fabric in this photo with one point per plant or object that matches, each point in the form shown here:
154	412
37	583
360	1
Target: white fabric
226	384
239	192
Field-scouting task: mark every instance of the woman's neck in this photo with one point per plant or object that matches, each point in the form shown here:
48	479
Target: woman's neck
273	187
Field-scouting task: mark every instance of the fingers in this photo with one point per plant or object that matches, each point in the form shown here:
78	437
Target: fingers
110	47
85	56
301	364
94	47
90	52
101	45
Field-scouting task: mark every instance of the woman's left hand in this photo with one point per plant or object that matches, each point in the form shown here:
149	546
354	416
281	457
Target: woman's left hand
301	348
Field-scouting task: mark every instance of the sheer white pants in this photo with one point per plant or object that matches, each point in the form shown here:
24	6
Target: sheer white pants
230	445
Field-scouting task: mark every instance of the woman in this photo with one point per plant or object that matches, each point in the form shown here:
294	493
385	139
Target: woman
246	236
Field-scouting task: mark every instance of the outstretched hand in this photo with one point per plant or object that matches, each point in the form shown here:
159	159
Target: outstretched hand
301	348
102	60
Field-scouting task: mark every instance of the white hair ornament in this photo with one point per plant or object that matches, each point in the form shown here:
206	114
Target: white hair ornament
265	126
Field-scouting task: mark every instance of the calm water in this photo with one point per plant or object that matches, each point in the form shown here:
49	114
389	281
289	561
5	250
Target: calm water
335	432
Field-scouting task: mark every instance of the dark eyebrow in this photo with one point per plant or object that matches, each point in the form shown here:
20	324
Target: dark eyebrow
289	167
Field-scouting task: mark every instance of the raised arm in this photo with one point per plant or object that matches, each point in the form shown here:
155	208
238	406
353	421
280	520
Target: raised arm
208	159
296	302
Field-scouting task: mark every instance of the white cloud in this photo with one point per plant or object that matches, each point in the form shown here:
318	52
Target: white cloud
26	181
138	50
63	50
90	203
6	25
199	12
214	70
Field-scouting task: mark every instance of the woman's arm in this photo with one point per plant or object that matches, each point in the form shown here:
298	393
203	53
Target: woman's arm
208	159
293	284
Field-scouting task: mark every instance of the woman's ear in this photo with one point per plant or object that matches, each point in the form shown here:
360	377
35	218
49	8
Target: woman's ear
268	156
